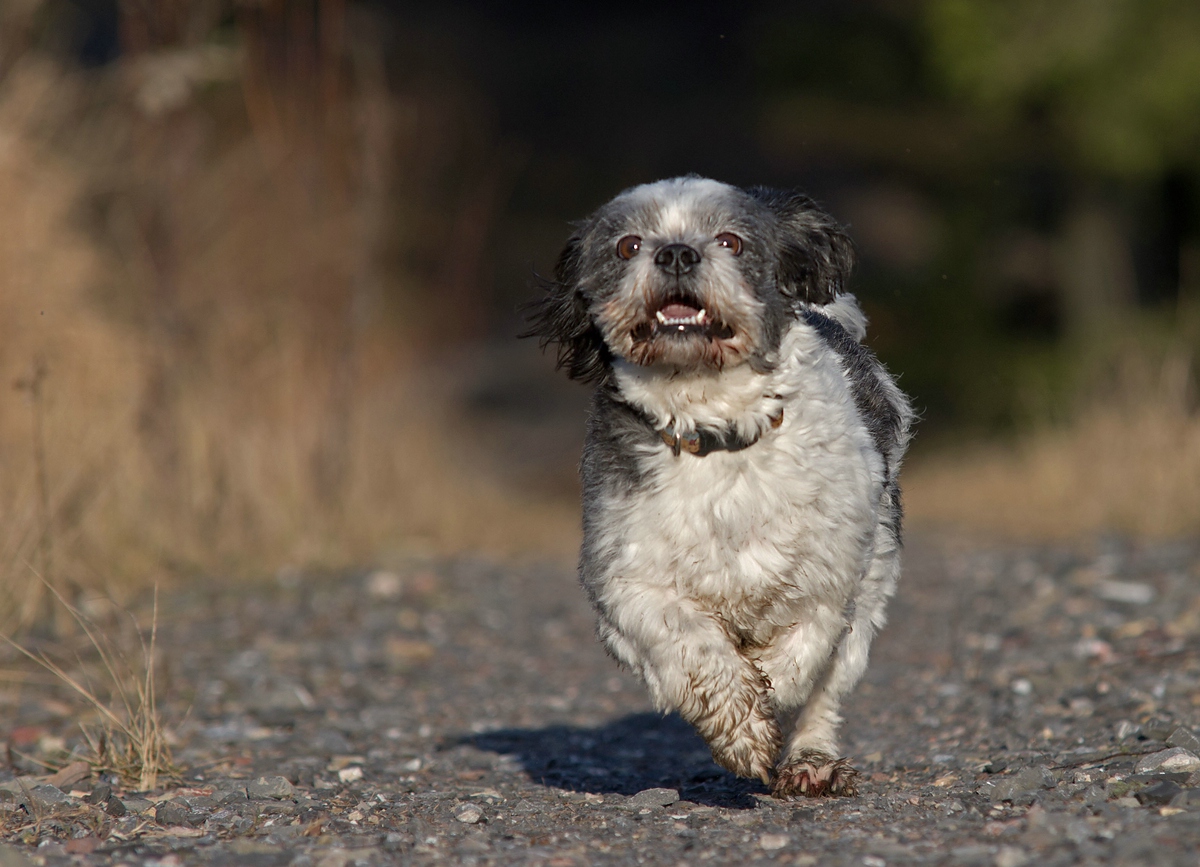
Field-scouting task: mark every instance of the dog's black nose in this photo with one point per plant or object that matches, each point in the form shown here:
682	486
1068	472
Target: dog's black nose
677	258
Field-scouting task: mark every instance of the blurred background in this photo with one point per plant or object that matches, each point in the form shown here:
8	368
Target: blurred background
261	261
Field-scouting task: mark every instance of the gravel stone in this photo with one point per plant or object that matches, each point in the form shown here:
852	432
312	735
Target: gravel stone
1173	760
1129	592
773	842
1021	787
171	813
1158	794
652	798
469	814
1187	798
1011	856
269	787
332	742
20	785
42	797
100	794
234	794
13	856
479	689
136	805
1185	738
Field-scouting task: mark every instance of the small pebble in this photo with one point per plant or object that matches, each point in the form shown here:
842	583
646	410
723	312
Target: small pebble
1128	592
1174	760
1158	795
1021	787
1187	798
653	798
1183	737
1011	856
136	805
350	774
44	797
171	813
772	842
469	814
384	585
269	787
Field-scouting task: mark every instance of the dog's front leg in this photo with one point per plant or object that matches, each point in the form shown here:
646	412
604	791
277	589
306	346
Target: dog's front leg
691	665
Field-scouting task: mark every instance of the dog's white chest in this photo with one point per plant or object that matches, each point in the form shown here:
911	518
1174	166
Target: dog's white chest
759	532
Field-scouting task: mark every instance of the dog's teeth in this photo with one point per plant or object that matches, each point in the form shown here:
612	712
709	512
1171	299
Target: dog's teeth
695	319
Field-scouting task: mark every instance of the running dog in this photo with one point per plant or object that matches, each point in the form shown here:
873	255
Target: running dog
741	511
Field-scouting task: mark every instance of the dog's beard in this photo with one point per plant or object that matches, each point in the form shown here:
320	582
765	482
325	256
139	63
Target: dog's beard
712	321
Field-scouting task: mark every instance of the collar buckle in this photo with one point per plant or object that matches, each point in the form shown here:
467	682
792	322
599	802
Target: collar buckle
702	442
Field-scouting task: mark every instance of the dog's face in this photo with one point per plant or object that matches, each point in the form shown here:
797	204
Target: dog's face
690	273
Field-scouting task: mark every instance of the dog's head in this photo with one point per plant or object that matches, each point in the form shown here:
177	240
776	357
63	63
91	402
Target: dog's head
689	273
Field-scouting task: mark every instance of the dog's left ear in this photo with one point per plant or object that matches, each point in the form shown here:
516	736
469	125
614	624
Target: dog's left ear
815	255
562	316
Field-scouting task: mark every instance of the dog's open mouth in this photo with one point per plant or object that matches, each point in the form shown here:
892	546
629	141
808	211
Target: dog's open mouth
681	316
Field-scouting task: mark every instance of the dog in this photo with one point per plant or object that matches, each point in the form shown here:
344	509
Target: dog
741	512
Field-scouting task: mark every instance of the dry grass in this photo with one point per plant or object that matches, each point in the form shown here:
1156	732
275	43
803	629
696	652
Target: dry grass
127	738
1128	462
222	386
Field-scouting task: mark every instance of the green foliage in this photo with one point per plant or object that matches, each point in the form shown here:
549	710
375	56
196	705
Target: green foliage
1117	81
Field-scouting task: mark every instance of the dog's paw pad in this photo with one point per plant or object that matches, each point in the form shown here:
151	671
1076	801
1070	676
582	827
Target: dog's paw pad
815	775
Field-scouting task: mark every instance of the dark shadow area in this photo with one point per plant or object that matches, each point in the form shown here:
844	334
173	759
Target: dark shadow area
625	756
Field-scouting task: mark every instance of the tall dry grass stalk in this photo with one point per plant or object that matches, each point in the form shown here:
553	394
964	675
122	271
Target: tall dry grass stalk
127	738
1129	461
222	384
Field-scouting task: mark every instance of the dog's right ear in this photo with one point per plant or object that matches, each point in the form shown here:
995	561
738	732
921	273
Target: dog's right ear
562	316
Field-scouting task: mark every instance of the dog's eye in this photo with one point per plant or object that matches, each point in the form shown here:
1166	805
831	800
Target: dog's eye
730	242
628	246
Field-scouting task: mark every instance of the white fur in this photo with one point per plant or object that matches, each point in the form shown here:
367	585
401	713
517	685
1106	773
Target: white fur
781	544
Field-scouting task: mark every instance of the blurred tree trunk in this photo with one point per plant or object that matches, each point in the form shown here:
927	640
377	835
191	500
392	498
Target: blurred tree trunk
16	26
1095	262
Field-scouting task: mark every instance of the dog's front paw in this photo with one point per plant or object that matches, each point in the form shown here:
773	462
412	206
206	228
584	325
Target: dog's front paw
744	734
750	749
813	774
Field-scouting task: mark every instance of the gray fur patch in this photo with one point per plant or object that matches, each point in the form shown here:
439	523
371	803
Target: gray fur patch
609	467
881	416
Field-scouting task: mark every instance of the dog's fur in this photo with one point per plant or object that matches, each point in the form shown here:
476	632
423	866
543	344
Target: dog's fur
743	585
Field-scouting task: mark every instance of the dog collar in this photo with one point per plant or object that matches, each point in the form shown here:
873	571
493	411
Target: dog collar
703	441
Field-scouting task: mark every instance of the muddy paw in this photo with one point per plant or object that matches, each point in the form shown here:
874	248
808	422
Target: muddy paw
752	753
815	775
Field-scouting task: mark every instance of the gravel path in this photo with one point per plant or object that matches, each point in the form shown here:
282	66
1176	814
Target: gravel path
1023	707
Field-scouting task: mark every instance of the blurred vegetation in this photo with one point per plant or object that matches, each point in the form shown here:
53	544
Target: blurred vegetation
260	261
1114	84
1051	152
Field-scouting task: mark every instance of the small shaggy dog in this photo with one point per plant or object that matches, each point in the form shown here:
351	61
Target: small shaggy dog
741	512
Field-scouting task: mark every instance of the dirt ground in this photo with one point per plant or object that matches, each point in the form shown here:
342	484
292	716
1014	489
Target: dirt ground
1024	706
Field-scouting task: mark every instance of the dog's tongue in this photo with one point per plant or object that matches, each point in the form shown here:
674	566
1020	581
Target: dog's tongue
679	311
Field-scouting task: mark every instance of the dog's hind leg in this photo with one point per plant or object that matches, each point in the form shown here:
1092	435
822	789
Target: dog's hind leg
690	664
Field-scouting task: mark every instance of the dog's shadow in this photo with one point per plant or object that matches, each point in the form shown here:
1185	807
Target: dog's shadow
636	752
